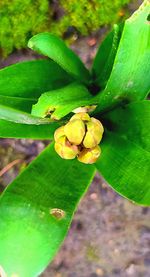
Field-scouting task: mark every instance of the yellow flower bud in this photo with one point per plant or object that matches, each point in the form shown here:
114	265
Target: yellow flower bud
79	138
75	131
65	149
59	133
97	122
93	134
89	156
82	116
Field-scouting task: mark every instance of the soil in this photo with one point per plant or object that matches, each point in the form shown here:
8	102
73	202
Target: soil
109	235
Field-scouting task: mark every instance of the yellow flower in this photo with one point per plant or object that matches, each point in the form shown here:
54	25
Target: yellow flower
59	133
79	138
65	149
89	156
94	133
75	131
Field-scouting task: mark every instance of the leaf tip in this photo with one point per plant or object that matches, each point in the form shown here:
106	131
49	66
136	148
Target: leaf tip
30	44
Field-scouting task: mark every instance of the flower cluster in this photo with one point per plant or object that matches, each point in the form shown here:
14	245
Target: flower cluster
79	138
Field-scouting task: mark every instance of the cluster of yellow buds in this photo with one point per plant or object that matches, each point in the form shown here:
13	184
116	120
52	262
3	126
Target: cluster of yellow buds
79	138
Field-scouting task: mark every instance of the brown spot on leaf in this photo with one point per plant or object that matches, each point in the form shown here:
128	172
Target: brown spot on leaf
57	213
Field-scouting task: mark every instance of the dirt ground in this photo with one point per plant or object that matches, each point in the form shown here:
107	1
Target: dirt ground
109	236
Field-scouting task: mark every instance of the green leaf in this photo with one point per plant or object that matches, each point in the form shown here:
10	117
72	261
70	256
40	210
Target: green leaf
38	209
131	121
105	56
62	101
15	130
125	159
18	116
126	167
130	77
20	103
54	48
30	79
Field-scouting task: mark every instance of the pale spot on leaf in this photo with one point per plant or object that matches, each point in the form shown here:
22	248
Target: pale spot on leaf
2	272
41	214
85	109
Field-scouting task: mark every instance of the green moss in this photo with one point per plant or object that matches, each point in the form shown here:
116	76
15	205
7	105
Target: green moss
87	16
20	19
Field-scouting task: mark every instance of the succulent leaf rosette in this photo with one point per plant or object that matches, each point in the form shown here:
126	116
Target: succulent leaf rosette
98	119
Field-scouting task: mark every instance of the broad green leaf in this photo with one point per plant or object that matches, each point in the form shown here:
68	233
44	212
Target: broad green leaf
62	101
30	79
126	167
125	159
130	77
38	207
18	116
15	130
54	48
131	121
20	103
105	56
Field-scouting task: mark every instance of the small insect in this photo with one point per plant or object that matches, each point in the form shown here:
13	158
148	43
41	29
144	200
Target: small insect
57	213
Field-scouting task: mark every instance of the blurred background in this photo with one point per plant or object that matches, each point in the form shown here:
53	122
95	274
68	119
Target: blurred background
109	236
